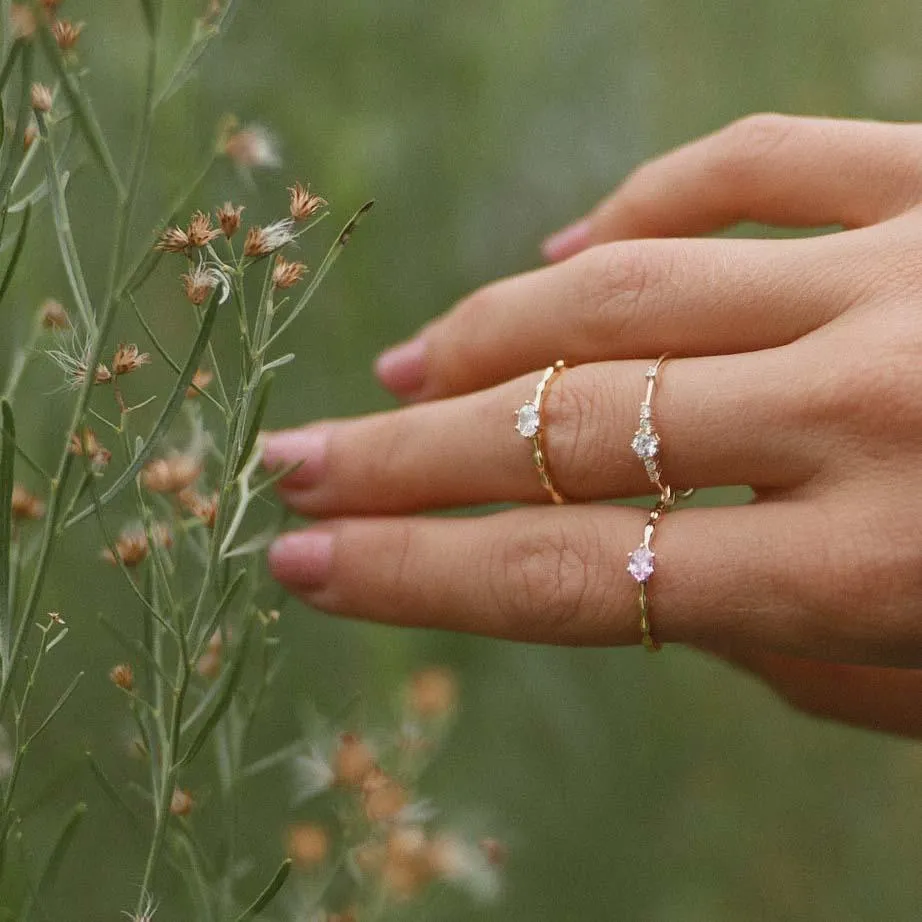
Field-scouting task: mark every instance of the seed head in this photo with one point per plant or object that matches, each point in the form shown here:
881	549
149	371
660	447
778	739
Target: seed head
41	98
383	797
128	358
353	761
200	380
85	444
253	147
122	675
173	240
432	693
26	505
261	241
229	217
287	274
53	315
199	283
303	204
172	474
66	33
181	803
308	845
200	231
204	508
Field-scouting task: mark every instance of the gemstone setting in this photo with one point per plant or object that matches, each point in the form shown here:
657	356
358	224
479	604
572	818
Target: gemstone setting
645	444
527	421
641	564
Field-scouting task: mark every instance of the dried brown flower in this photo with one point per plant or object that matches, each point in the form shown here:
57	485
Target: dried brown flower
252	147
204	508
25	504
128	358
287	274
433	693
407	868
132	547
353	761
173	240
308	845
53	315
261	241
383	797
229	217
29	136
41	98
85	444
102	375
199	283
200	380
171	474
200	231
66	33
122	675
181	803
303	203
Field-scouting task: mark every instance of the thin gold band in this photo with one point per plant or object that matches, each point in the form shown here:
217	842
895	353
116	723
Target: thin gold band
530	426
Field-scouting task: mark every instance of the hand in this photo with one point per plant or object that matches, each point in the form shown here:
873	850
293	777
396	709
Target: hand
801	376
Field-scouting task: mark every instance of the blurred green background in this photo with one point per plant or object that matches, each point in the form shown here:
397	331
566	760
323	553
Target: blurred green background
626	787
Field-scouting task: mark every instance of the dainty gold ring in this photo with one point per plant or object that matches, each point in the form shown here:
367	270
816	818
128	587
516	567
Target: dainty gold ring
529	425
647	443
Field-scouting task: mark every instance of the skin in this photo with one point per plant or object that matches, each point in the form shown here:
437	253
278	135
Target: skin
800	375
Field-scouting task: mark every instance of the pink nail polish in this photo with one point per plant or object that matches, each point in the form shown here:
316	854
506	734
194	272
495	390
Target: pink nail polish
293	446
567	242
302	559
402	370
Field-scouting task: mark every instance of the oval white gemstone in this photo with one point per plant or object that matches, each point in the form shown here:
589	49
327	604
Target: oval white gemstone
640	564
645	445
528	421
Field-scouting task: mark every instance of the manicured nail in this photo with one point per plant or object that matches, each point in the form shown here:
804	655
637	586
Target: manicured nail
568	241
307	447
402	370
302	558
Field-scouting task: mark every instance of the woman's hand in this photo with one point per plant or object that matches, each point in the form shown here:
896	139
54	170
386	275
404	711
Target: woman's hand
801	375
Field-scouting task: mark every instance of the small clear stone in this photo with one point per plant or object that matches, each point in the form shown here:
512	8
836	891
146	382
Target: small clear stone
646	411
527	421
645	445
652	371
640	564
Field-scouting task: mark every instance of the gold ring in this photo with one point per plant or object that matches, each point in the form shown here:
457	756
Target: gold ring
641	565
647	443
528	424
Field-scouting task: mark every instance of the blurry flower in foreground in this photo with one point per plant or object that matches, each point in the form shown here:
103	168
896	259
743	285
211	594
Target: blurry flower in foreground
53	315
22	21
40	97
85	444
303	204
308	845
29	136
261	241
433	693
204	508
181	803
132	547
200	380
229	217
209	664
253	147
122	676
172	474
353	761
128	358
26	505
287	274
384	798
66	33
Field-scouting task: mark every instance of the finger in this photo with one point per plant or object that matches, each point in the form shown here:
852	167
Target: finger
721	420
558	576
631	300
878	698
774	169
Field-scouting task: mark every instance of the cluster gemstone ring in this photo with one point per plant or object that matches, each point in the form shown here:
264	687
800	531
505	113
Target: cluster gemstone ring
529	425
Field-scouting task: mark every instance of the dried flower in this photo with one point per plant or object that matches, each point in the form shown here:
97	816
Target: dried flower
287	274
29	136
384	798
200	231
55	618
229	217
200	380
41	97
172	474
132	547
433	693
261	241
204	508
85	444
147	911
252	147
128	358
66	33
53	315
308	845
25	504
303	204
173	240
407	869
22	21
353	761
209	664
122	675
74	362
181	803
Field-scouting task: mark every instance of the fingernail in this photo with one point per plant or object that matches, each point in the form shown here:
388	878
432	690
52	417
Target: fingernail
293	446
302	558
402	370
568	241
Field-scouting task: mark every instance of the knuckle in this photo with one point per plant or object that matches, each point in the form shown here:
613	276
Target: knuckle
576	444
547	573
743	145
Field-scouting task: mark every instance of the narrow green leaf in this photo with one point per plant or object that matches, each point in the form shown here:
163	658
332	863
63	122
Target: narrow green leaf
57	707
111	791
262	401
223	606
7	70
126	478
268	895
17	249
7	458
